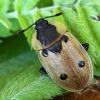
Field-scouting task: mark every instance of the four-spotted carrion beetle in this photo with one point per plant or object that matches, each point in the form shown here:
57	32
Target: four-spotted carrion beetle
61	55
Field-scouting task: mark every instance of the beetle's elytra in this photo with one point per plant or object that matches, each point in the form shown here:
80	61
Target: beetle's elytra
62	56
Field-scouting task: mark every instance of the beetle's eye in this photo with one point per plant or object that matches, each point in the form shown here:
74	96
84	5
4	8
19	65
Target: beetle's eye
36	27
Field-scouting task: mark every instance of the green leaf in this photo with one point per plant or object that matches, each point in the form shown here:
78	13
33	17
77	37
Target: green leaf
4	32
14	60
89	2
63	2
13	27
24	5
5	22
44	3
26	21
36	90
7	28
4	6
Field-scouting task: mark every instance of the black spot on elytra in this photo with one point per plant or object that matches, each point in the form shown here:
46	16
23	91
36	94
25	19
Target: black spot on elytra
64	38
63	76
44	53
81	64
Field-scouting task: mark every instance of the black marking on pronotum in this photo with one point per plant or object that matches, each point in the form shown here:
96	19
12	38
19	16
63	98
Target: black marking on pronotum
63	76
64	38
46	33
57	47
44	53
86	46
81	63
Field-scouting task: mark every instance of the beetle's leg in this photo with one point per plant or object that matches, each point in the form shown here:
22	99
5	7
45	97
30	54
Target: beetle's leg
97	83
42	70
86	46
44	53
97	77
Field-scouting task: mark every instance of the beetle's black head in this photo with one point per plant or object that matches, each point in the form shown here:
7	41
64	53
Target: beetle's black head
46	32
40	23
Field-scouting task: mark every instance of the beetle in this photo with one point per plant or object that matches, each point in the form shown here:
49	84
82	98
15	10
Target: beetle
62	56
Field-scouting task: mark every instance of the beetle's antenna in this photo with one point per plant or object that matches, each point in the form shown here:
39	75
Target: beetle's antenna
58	14
22	31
